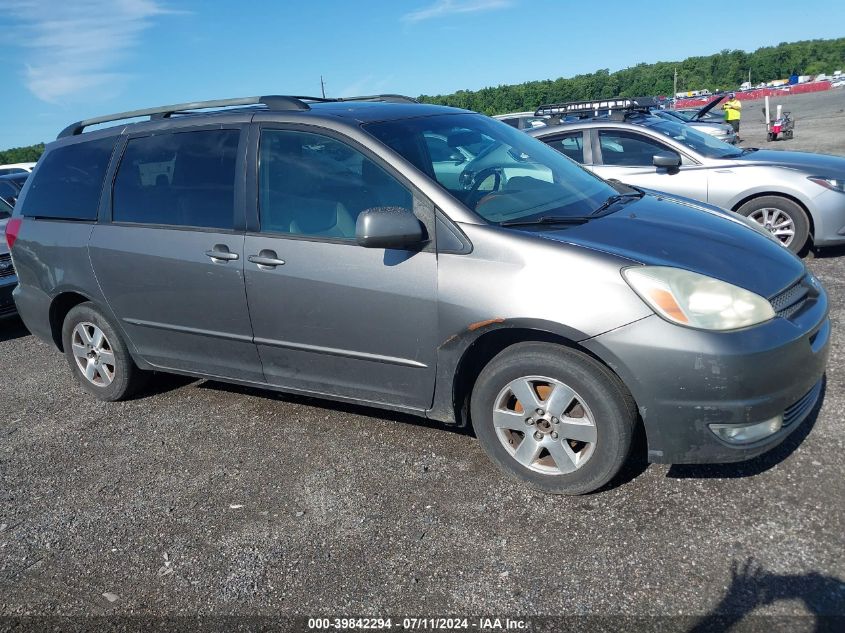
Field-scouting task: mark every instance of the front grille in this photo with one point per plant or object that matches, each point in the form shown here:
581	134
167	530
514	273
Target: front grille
800	409
6	268
791	300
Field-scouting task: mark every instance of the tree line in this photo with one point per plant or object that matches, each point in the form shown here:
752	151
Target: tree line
28	154
723	71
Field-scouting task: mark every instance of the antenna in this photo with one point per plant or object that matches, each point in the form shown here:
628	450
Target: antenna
322	86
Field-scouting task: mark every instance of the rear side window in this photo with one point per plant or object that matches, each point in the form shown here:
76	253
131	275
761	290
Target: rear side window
180	179
68	183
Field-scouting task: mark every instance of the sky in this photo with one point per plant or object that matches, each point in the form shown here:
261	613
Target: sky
65	60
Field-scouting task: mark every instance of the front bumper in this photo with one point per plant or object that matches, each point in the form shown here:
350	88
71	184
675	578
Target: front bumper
828	211
684	380
7	303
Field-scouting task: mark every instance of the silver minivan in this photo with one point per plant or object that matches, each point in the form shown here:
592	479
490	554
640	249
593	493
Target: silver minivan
421	259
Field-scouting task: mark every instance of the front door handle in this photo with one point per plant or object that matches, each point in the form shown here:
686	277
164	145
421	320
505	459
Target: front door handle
221	253
266	259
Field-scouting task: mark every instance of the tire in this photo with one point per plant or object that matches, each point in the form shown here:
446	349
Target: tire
567	461
770	136
114	375
767	211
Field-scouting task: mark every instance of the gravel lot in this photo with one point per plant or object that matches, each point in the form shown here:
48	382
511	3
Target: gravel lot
206	498
819	122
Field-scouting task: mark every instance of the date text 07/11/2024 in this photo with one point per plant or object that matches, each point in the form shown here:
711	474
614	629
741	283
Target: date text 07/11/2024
418	624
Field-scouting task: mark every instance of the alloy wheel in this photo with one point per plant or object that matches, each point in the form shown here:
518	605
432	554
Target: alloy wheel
93	354
776	222
545	425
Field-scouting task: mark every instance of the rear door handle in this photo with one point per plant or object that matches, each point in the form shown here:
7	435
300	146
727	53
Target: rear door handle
221	253
266	259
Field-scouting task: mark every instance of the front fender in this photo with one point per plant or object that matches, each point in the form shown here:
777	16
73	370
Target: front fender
458	351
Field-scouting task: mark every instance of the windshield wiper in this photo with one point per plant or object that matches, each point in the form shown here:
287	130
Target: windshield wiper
548	219
618	197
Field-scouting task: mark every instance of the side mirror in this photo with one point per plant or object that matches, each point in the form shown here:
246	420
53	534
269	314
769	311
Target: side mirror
667	159
389	227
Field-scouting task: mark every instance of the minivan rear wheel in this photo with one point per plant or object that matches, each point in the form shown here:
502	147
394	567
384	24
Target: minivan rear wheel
782	217
97	355
553	417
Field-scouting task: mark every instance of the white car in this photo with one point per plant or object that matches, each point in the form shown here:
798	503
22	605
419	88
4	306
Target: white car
16	168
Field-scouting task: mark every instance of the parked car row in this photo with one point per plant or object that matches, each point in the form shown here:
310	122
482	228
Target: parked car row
796	196
10	188
433	261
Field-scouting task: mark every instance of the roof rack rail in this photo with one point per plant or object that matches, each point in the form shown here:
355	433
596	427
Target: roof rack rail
275	102
386	98
596	107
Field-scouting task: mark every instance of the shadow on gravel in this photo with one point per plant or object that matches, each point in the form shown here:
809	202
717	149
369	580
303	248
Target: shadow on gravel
757	465
162	382
829	252
11	329
332	405
752	587
633	468
636	465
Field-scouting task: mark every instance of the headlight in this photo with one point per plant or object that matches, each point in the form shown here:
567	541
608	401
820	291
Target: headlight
837	184
697	301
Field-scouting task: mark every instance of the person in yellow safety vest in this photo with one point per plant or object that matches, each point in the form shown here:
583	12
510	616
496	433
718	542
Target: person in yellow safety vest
733	112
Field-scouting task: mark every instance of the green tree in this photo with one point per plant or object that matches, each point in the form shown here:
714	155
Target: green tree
21	154
723	71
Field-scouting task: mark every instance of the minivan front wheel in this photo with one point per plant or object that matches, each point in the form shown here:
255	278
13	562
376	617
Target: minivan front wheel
98	356
553	417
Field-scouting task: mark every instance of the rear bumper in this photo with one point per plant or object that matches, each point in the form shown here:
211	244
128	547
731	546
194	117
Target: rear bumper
7	302
684	380
33	307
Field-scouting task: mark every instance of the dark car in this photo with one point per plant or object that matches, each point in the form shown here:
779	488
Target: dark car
341	249
716	129
10	189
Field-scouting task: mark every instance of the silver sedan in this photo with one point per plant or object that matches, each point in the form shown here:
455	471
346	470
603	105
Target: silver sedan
799	197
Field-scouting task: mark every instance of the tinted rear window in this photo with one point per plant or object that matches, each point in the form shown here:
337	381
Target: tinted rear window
68	183
179	179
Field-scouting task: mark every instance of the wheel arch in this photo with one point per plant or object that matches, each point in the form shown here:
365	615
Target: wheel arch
61	304
780	194
480	351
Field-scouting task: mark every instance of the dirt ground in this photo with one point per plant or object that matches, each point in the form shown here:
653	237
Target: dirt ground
819	122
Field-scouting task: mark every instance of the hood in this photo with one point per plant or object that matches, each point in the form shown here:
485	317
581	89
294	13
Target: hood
708	107
662	231
818	164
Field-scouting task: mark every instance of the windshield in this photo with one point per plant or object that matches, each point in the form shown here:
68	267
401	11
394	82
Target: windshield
495	170
704	144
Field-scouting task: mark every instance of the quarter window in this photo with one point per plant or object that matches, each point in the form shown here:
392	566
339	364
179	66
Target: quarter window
68	182
180	179
628	149
314	185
